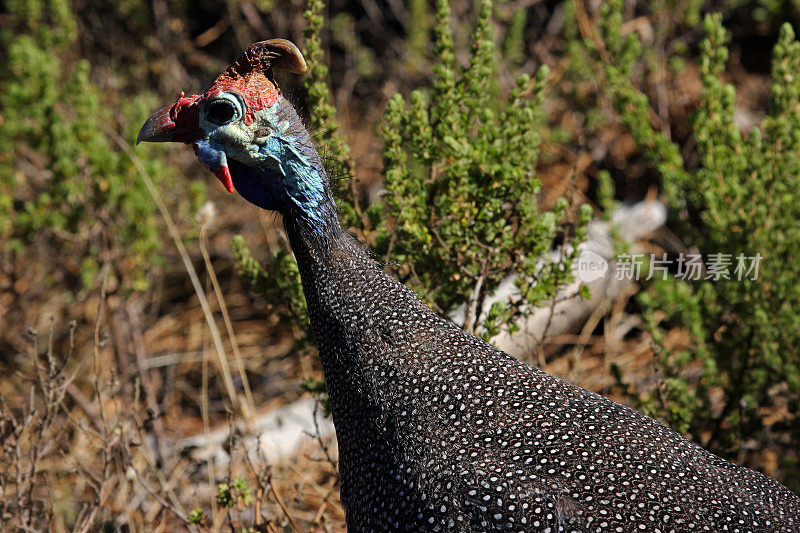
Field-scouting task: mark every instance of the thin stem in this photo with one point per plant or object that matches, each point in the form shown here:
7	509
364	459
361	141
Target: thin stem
212	274
187	262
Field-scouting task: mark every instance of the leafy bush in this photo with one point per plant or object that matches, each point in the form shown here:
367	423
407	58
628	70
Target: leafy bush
61	176
461	209
739	383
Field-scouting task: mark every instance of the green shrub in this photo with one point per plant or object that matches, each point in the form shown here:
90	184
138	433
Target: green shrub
237	493
461	210
739	382
61	176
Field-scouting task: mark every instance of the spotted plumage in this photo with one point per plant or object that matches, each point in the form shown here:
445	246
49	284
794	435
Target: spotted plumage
438	430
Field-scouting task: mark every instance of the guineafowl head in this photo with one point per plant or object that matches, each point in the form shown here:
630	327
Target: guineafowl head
250	136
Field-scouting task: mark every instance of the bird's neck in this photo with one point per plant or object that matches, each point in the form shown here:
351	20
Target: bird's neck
331	270
307	201
330	262
285	173
349	298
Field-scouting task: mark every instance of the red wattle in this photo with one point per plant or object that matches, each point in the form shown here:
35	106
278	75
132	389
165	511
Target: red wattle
224	175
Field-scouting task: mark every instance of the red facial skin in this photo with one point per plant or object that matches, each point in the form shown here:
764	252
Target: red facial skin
184	117
224	176
256	90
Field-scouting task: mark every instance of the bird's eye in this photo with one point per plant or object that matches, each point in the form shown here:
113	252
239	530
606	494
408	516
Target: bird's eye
220	111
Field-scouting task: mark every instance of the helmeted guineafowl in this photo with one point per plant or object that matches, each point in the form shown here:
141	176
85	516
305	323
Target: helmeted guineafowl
438	430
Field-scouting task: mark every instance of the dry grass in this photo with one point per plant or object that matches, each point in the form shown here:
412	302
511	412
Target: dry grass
86	440
92	411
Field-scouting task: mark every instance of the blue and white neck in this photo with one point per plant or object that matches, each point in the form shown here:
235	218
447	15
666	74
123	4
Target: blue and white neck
281	170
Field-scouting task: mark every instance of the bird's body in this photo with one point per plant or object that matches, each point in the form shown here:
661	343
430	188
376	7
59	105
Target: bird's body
440	431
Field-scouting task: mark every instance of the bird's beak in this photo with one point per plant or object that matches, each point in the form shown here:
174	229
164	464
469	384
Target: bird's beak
179	123
159	127
172	123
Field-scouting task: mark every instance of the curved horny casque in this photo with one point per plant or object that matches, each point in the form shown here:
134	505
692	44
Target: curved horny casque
263	55
438	430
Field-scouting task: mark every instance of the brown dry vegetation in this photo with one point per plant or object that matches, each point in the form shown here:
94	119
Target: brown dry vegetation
98	384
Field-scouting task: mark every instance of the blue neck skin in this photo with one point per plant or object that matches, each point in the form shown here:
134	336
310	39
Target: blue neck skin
291	179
